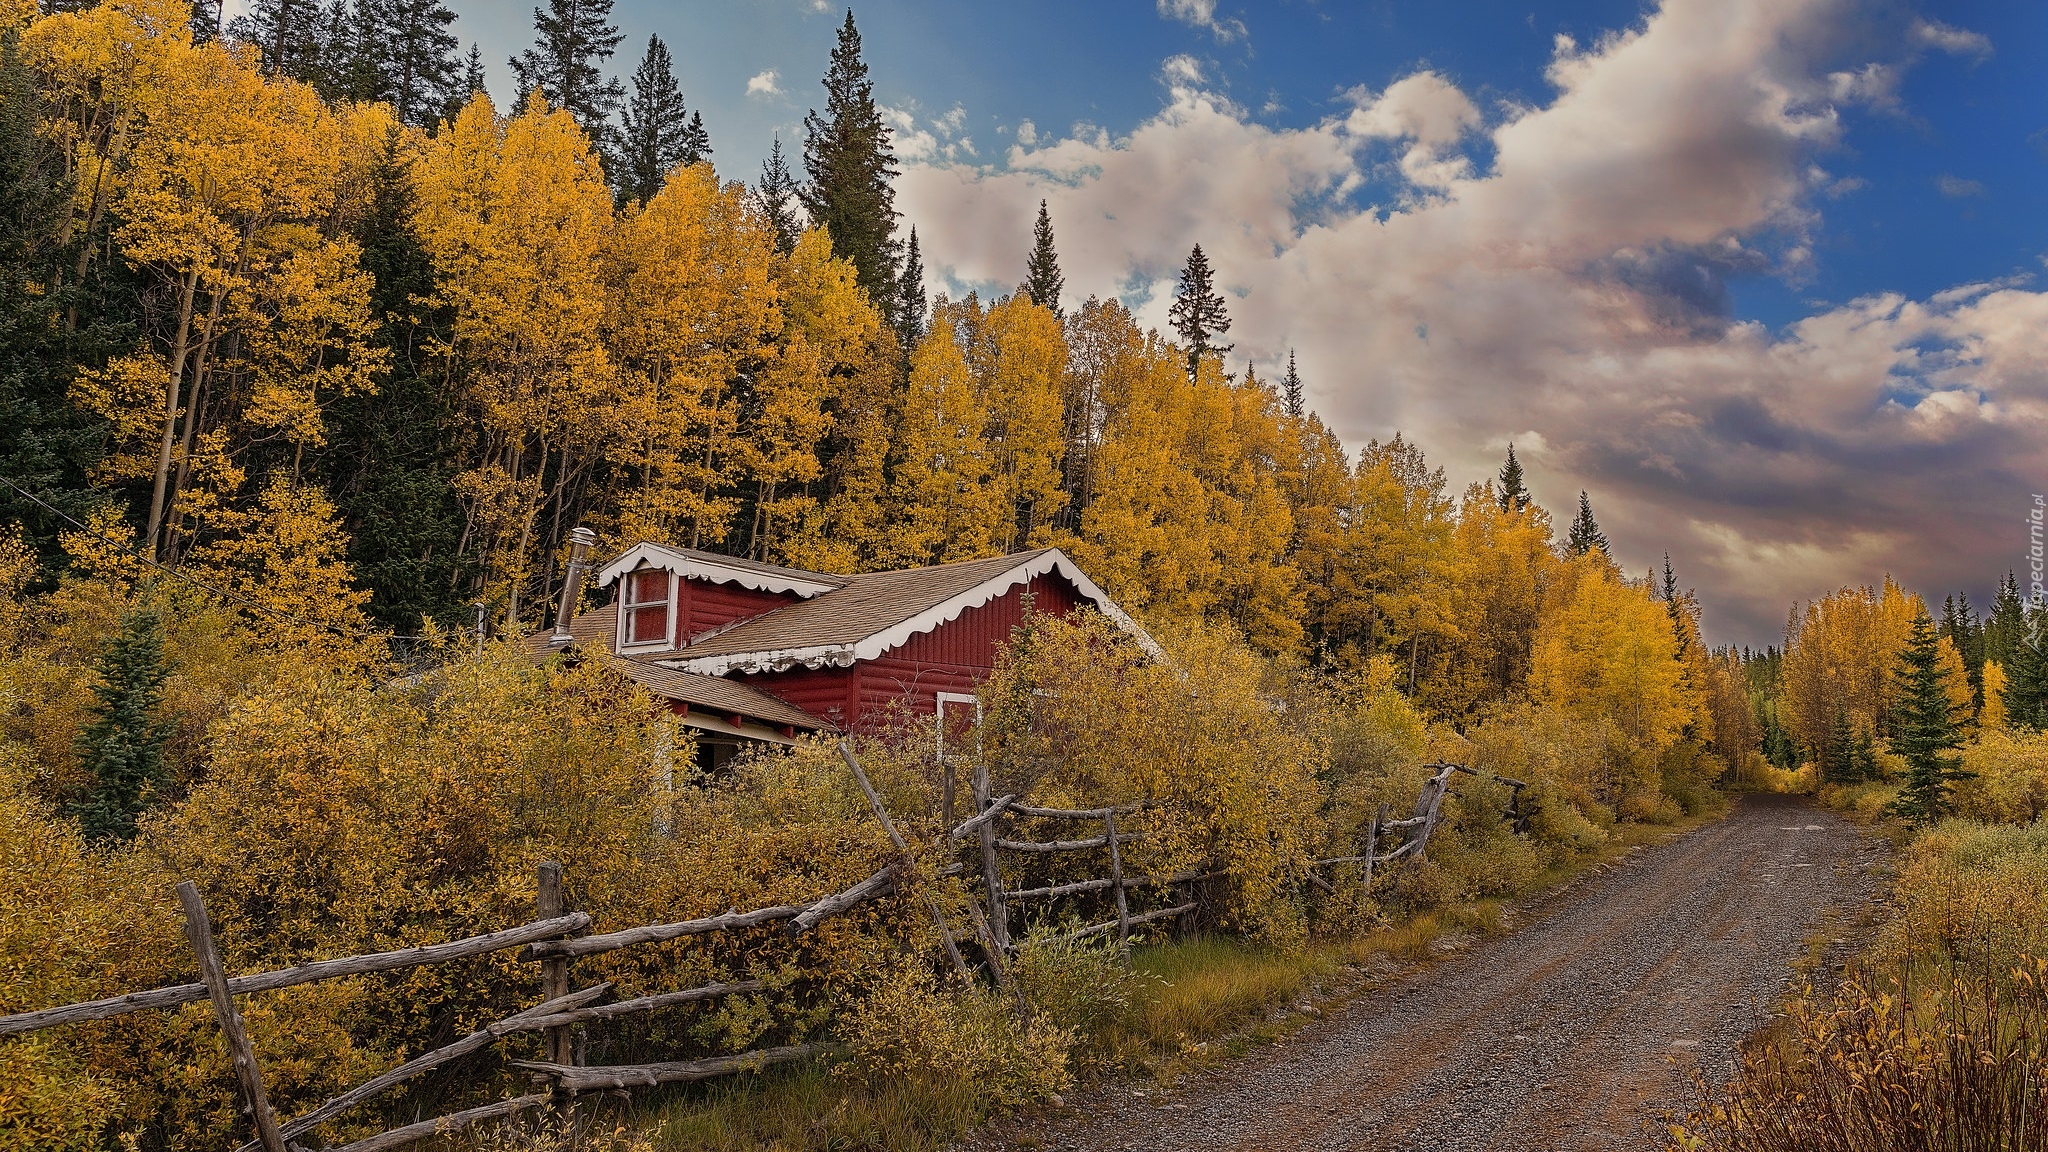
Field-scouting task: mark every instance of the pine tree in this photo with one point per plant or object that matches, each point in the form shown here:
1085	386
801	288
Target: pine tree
290	34
49	319
1198	314
412	52
1043	281
774	193
2026	676
1585	531
571	38
122	747
848	157
2007	624
911	305
696	141
1924	727
1291	390
1960	624
472	79
1514	496
654	137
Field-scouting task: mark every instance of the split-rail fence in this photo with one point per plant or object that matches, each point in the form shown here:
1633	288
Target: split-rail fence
558	935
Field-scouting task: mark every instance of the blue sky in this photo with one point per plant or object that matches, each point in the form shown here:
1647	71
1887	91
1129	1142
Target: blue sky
1764	276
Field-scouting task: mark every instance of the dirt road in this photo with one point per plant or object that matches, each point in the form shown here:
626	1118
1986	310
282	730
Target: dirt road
1557	1037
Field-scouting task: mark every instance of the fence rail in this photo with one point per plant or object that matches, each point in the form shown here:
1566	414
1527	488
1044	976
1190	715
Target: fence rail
553	940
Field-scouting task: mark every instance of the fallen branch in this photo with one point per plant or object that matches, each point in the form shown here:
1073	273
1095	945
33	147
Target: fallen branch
1099	885
1067	845
998	807
1082	813
576	1014
1097	929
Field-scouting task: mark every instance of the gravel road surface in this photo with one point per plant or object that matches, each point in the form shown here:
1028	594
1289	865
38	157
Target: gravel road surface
1560	1036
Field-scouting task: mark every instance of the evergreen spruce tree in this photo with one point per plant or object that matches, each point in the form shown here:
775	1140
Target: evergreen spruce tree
1292	392
412	54
848	157
1043	280
696	141
571	38
911	305
2007	624
1960	625
1514	496
205	20
654	136
775	193
290	34
472	78
1198	314
50	321
1924	728
1585	534
2026	676
393	464
122	747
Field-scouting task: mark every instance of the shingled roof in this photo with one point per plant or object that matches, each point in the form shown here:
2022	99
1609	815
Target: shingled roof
876	611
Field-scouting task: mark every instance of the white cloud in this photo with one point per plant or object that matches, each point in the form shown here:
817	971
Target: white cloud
1957	188
764	84
1202	14
1947	38
1181	70
1573	295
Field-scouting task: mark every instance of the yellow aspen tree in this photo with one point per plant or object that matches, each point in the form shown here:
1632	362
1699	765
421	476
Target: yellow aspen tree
1605	653
786	414
698	314
306	335
851	529
1992	717
1509	569
1397	567
286	561
942	495
517	217
1839	655
1018	355
224	155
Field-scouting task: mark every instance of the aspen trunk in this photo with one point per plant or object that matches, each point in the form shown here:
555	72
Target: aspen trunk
172	393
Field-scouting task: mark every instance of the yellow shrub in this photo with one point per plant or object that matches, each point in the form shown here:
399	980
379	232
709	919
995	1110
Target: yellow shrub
2009	781
908	1028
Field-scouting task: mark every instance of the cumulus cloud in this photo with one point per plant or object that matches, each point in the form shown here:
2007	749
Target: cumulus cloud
1571	294
764	84
1946	38
1202	14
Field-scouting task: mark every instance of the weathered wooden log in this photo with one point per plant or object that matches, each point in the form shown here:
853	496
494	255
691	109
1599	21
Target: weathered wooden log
199	931
1083	813
1143	918
832	906
303	974
526	1020
1103	885
672	1072
577	1013
997	808
550	902
991	867
1328	888
656	933
931	902
1510	781
1116	878
1066	845
453	1122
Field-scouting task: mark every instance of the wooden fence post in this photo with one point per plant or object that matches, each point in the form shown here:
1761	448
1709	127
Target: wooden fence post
1116	882
554	972
903	852
1372	845
991	874
199	930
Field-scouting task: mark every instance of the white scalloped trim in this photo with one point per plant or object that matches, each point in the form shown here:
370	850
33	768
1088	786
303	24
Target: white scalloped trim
945	612
713	571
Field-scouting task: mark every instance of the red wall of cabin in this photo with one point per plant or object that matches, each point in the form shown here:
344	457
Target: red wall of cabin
702	605
954	657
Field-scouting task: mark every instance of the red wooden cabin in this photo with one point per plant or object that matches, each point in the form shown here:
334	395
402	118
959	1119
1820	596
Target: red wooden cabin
755	652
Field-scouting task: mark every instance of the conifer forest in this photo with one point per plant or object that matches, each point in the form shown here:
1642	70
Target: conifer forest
335	371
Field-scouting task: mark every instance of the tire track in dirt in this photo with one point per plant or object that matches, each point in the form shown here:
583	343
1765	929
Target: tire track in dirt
1558	1037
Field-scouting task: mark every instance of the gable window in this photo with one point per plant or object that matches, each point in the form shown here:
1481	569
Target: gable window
646	607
